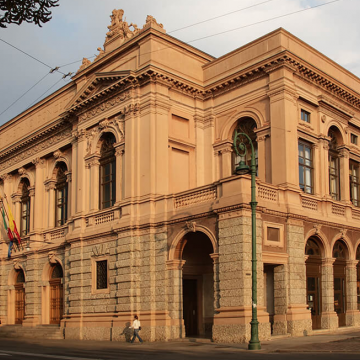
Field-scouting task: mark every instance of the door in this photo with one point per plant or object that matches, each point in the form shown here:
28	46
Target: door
340	291
313	300
56	301
190	310
19	303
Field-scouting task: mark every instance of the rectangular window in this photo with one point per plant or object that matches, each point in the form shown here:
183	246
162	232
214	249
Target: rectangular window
354	182
101	275
61	205
107	183
305	168
25	216
305	116
354	139
273	234
334	176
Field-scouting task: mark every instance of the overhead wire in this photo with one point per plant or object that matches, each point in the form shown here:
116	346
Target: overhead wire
187	42
24	94
219	16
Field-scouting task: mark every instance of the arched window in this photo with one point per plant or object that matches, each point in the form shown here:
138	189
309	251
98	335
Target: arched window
107	171
61	211
246	125
334	178
339	250
19	297
25	207
312	247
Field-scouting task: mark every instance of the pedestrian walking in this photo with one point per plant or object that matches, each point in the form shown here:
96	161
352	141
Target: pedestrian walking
137	327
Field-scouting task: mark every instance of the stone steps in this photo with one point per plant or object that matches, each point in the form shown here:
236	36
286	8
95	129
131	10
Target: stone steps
37	332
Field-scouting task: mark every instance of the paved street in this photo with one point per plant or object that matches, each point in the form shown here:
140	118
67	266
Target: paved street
324	346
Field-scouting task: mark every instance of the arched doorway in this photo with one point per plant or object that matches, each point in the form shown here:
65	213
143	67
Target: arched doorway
19	297
56	294
198	285
340	254
313	252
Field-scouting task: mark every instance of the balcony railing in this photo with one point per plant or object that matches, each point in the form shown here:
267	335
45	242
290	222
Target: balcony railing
195	197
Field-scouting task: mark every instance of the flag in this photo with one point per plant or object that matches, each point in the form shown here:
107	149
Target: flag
3	214
9	250
17	233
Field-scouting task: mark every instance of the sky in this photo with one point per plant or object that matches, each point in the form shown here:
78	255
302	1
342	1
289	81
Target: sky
78	28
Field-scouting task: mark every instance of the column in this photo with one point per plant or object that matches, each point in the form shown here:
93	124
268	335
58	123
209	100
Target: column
32	207
298	316
317	169
94	165
329	319
226	162
284	122
261	157
119	152
324	170
215	258
344	175
52	210
352	312
38	201
69	199
81	187
73	184
16	198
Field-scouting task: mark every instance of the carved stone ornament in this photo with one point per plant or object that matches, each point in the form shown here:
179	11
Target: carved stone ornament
52	257
191	225
16	264
26	154
317	228
57	154
343	233
323	118
120	28
120	122
38	161
100	250
85	63
101	53
152	21
104	124
21	171
104	106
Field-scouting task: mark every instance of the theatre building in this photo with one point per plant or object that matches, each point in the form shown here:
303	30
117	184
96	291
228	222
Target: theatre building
124	188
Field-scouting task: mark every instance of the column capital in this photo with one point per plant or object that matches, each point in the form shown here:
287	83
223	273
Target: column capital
215	257
50	184
351	263
16	197
328	261
175	264
38	161
32	190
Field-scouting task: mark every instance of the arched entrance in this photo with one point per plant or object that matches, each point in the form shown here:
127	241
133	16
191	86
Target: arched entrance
198	284
19	297
56	293
340	254
313	252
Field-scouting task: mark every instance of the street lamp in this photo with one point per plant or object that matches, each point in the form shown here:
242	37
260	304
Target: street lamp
241	169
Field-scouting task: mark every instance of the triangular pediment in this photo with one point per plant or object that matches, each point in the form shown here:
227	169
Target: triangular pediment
97	85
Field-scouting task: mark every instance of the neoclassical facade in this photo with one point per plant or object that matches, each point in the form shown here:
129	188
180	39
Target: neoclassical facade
123	184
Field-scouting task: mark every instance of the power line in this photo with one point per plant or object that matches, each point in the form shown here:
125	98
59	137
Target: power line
24	93
220	16
262	21
24	52
44	93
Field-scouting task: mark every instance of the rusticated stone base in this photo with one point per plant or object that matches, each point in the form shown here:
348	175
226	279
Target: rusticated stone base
329	321
239	333
280	327
353	318
299	327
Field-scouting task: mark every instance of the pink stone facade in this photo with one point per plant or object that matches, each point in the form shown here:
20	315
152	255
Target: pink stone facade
123	185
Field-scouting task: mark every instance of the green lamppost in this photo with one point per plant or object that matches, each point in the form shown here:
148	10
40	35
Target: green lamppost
241	169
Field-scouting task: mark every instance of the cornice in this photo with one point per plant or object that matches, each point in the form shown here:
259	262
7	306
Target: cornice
39	135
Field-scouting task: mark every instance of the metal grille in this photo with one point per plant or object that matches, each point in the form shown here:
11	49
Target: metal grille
101	274
57	272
